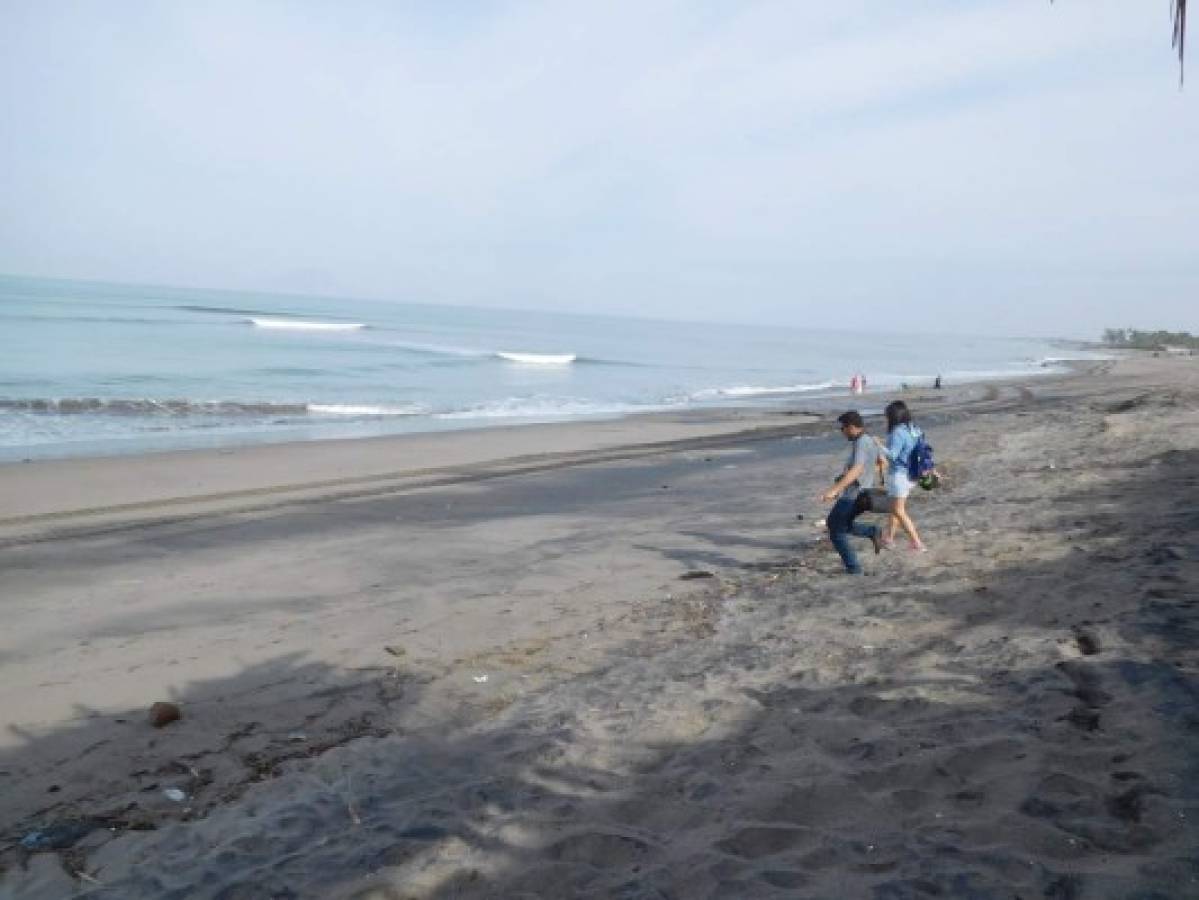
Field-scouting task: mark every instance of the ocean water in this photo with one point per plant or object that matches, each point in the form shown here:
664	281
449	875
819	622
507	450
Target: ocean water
90	368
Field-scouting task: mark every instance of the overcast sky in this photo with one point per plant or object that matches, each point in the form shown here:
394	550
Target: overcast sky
1015	167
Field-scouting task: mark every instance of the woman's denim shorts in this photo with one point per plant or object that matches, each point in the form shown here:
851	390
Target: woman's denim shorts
898	484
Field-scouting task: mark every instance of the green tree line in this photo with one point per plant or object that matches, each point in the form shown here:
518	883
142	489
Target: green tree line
1134	339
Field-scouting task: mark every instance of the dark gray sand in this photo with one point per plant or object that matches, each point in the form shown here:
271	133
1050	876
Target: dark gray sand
503	687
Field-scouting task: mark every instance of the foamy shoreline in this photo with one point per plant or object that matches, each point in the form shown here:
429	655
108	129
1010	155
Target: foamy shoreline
168	423
499	686
44	495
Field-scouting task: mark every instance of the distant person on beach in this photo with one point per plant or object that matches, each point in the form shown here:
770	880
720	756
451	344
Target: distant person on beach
937	383
901	440
858	474
855	384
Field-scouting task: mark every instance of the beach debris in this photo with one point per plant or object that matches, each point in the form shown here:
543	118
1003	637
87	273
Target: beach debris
60	836
162	714
174	794
696	573
799	516
1086	641
480	679
395	649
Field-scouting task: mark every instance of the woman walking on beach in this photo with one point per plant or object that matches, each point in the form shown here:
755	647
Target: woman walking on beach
901	440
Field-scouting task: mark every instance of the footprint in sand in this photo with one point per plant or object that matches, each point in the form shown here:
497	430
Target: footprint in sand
1082	810
598	849
759	841
1086	682
786	879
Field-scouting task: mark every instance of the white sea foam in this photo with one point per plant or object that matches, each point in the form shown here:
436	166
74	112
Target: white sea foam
544	408
1081	356
538	359
297	325
743	391
358	409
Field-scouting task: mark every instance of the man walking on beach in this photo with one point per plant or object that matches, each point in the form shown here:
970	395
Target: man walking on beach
859	473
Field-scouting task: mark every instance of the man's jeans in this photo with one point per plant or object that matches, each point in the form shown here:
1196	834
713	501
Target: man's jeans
841	525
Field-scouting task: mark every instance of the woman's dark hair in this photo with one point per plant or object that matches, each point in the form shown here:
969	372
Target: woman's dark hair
897	414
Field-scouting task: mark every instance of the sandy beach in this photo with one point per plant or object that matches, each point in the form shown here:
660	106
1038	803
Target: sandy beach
607	660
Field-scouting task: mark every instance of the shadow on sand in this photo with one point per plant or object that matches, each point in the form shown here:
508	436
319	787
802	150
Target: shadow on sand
746	743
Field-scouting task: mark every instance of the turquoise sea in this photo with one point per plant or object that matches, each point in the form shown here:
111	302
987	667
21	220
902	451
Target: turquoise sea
91	368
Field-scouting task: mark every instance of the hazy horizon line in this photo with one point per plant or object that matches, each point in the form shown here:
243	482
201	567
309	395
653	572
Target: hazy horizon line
529	309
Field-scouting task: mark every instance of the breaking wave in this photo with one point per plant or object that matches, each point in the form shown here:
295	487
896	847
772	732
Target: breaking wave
1081	356
506	356
538	359
439	350
362	409
150	407
546	408
746	391
300	325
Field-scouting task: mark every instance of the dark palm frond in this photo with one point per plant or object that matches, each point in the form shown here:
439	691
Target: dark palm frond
1180	34
1178	11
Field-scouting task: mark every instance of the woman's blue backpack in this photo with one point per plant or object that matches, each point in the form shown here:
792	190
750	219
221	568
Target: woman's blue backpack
920	460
